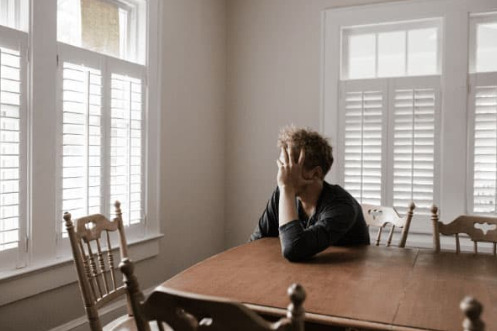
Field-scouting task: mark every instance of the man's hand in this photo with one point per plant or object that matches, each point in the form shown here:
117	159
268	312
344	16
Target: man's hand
290	174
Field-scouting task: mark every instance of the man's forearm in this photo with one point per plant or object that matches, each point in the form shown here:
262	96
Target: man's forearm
287	207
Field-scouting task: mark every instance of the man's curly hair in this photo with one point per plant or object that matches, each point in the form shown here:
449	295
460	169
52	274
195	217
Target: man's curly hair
318	151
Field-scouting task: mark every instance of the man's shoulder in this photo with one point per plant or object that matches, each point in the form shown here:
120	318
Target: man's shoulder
335	194
337	200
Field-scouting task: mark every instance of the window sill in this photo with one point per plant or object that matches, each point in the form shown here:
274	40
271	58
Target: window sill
26	282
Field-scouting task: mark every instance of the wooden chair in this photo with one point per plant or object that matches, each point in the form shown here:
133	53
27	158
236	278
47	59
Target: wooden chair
96	272
472	310
188	312
382	217
478	228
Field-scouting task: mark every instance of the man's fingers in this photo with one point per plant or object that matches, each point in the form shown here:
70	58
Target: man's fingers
285	155
278	162
290	155
302	156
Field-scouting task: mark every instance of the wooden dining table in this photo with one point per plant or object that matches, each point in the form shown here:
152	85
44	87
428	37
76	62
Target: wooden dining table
376	288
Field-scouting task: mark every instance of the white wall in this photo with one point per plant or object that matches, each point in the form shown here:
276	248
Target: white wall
192	160
274	79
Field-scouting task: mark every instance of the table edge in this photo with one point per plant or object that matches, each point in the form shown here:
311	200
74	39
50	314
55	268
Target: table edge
334	320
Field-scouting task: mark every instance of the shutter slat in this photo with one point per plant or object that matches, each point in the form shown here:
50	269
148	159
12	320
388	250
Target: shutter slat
126	173
81	140
10	153
485	149
413	150
363	145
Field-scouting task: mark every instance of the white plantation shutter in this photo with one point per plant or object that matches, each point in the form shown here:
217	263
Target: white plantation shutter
483	105
81	140
126	147
13	172
414	139
390	141
363	113
102	130
11	103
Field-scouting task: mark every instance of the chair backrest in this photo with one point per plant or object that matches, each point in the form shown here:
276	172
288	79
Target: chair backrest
472	310
382	217
478	228
95	267
188	312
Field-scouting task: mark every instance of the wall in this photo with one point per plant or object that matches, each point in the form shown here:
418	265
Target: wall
192	160
274	79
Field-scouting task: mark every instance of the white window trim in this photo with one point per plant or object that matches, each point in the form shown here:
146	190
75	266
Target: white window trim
474	20
41	259
454	131
393	26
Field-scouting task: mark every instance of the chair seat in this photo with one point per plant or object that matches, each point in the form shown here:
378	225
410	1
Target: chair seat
122	323
127	323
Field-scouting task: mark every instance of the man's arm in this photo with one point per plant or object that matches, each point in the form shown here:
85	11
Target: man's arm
299	244
289	180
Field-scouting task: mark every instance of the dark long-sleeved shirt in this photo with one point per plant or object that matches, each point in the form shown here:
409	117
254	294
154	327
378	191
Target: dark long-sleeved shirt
338	221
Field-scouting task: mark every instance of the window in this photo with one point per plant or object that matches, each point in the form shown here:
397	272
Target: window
79	123
391	50
126	147
81	140
101	148
483	112
389	109
409	118
111	27
14	14
102	105
13	103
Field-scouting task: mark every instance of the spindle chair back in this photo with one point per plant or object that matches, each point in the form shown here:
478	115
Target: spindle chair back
477	228
94	261
382	217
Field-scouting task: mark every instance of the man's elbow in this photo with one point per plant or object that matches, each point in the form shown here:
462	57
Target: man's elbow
293	254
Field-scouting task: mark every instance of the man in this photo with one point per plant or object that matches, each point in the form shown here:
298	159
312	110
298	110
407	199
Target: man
307	213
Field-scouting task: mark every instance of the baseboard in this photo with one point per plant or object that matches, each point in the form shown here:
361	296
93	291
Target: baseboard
107	314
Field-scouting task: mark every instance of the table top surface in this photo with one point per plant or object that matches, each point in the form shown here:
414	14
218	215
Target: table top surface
375	286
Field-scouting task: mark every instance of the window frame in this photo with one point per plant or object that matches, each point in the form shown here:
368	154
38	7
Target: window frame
454	161
107	65
474	20
43	257
387	87
17	257
347	31
19	8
